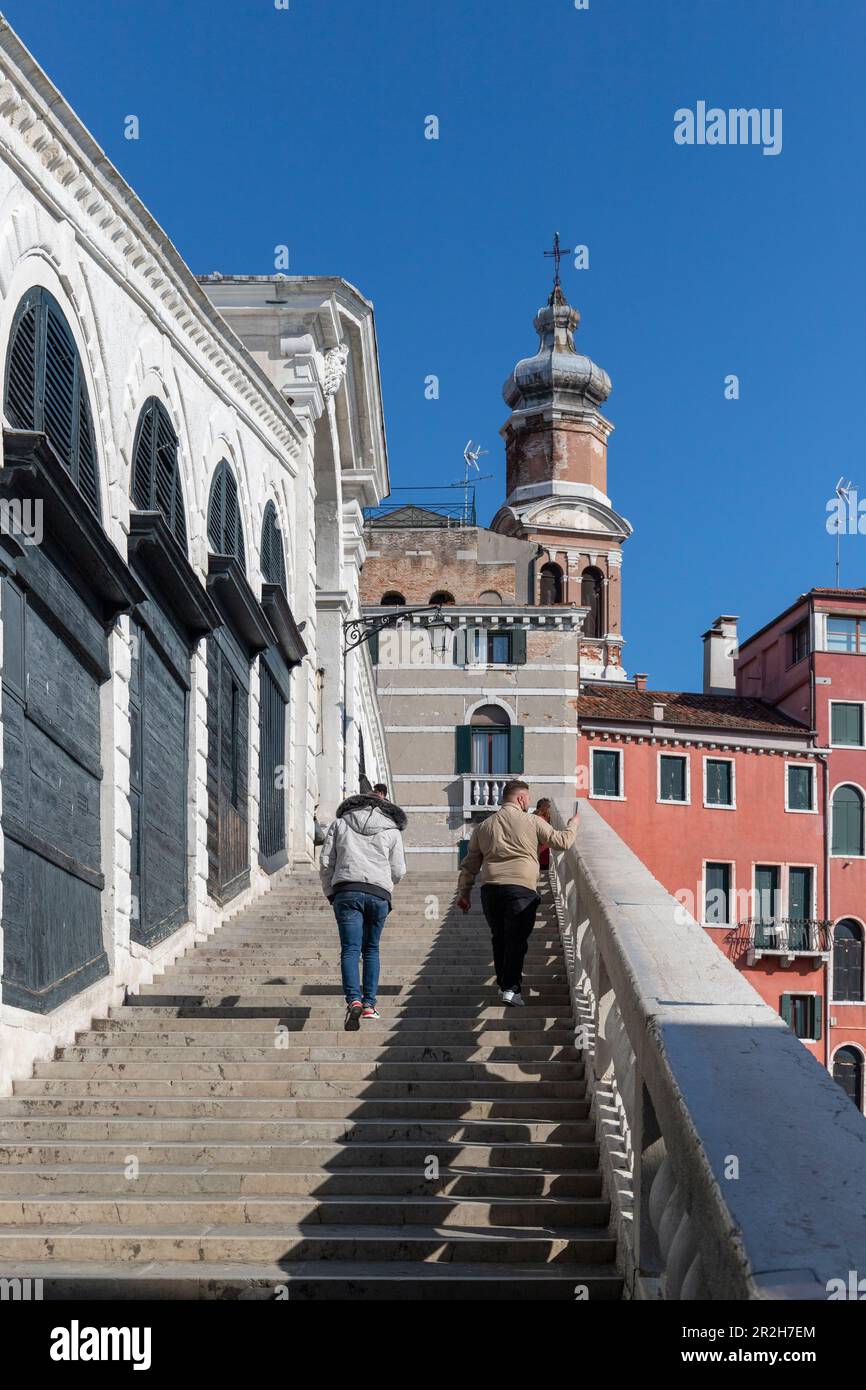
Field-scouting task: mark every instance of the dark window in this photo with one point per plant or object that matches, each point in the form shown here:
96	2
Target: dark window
273	556
845	635
802	1012
441	598
846	724
673	782
848	1072
224	531
392	600
717	894
799	642
605	772
847	821
767	893
46	391
720	782
847	961
498	648
491	744
156	483
800	894
591	597
550	585
801	788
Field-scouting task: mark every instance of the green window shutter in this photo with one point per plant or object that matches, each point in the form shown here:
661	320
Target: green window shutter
374	648
846	724
460	647
605	772
799	894
463	743
847	821
786	1010
516	749
817	1010
518	646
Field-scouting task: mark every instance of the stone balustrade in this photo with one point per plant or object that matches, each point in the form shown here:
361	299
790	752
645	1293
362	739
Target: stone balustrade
735	1165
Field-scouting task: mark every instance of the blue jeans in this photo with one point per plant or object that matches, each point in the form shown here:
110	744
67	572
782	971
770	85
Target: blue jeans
360	919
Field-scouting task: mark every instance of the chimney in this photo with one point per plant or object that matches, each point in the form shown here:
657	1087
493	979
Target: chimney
720	653
658	712
640	681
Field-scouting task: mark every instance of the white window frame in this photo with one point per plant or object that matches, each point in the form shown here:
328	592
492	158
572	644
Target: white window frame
862	704
604	796
732	894
799	810
715	805
846	782
667	801
857	1003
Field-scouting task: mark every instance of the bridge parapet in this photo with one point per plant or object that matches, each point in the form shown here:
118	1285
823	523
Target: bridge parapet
736	1166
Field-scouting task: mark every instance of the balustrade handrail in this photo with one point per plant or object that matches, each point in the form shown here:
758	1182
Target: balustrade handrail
746	1162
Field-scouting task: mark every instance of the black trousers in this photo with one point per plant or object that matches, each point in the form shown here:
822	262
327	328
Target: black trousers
510	911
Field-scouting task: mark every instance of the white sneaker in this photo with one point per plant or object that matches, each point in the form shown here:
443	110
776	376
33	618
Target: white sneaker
514	998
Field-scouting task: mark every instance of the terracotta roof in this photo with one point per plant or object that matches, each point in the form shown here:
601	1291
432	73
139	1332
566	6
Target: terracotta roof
683	707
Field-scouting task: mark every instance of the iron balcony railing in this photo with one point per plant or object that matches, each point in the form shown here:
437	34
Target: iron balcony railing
790	935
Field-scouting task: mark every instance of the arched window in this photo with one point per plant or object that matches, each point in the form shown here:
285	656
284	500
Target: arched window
591	597
550	585
847	821
46	390
848	1071
273	557
491	597
392	600
224	529
442	598
155	472
847	960
490	727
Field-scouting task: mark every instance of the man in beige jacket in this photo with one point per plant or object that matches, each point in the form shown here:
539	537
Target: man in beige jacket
507	845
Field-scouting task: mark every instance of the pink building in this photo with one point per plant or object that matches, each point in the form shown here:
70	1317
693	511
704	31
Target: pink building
747	802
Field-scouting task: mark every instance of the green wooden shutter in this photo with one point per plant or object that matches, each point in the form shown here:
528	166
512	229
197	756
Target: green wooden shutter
374	648
817	1011
518	646
786	1010
847	724
463	745
460	647
515	759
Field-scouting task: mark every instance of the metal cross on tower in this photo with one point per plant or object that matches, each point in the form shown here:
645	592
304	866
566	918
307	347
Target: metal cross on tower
557	254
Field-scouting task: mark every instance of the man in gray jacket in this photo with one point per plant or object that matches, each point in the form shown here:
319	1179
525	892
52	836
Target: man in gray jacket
362	859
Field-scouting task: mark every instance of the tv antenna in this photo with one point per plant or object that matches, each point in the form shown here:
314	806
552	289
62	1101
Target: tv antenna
471	455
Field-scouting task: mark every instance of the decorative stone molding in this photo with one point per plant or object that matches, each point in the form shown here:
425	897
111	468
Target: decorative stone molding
336	360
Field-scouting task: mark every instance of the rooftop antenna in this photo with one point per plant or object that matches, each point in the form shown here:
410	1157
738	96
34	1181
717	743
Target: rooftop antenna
471	455
842	491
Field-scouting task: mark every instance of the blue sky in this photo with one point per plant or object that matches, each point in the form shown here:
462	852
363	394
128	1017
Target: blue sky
305	127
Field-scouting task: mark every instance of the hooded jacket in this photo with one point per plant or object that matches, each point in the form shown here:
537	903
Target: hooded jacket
363	848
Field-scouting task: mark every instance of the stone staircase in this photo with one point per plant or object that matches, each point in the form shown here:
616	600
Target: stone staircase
221	1136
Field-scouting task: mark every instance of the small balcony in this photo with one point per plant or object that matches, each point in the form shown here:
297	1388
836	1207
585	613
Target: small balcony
482	791
786	938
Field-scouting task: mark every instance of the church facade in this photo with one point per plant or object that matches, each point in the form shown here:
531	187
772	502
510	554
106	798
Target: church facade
181	544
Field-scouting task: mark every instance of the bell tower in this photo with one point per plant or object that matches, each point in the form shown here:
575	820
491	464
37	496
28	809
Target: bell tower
556	478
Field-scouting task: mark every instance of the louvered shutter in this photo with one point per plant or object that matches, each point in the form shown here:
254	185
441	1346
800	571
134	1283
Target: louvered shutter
21	371
273	561
518	646
215	512
786	1010
463	748
88	483
59	389
516	749
142	464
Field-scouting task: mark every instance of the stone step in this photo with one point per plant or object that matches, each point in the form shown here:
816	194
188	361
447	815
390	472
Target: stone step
374	1034
401	1011
550	1157
288	1087
365	1048
242	1107
357	1070
390	983
515	1022
81	1179
182	1211
236	1243
311	1281
208	993
44	1129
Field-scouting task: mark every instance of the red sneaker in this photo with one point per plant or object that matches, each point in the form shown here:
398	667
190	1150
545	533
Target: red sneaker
353	1016
370	1011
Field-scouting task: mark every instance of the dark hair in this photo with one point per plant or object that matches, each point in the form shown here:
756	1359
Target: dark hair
542	801
512	788
381	787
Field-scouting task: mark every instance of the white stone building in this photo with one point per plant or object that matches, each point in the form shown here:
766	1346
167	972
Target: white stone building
173	683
